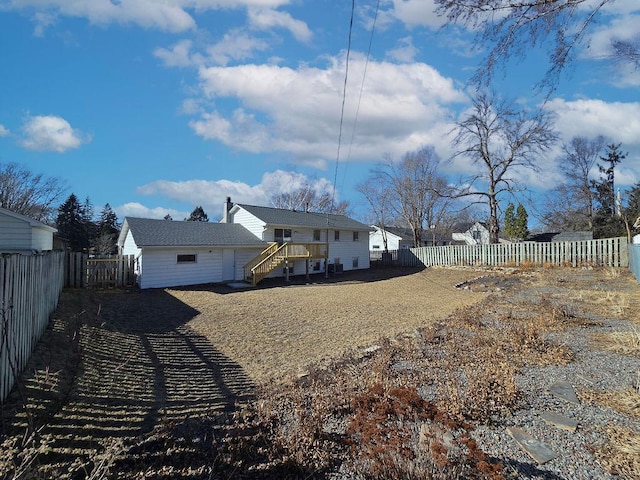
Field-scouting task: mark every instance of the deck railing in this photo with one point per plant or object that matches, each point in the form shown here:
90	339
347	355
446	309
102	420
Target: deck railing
265	263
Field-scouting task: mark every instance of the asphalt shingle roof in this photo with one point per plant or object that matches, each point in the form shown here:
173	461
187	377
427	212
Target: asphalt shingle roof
294	218
149	232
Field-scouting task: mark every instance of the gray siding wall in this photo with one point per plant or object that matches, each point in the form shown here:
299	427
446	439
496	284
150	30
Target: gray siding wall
15	234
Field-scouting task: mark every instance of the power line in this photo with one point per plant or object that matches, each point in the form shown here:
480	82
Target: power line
344	96
364	75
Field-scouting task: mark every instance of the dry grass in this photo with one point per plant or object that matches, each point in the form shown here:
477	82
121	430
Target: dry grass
621	455
274	332
172	368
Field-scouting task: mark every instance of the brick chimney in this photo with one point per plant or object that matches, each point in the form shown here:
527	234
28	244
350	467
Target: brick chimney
225	212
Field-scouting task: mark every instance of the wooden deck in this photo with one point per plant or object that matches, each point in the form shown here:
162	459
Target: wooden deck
275	255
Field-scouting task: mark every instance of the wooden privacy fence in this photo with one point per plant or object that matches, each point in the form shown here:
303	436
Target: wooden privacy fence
612	252
81	271
30	286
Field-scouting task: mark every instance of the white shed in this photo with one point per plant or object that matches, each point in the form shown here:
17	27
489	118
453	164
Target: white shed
19	233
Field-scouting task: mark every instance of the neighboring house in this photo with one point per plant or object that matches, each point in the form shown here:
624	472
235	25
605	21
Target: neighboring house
474	233
397	238
560	237
19	233
174	253
315	240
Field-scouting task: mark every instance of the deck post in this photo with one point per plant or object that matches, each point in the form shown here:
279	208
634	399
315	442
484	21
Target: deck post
306	266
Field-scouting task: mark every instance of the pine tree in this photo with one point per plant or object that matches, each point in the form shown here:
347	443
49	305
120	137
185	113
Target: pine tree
608	220
510	221
72	224
521	224
198	215
107	232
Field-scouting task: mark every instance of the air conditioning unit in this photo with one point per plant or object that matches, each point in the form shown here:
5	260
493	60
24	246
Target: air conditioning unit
336	268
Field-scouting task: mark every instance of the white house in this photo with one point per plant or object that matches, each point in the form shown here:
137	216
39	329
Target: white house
19	233
174	253
471	233
347	240
250	243
397	238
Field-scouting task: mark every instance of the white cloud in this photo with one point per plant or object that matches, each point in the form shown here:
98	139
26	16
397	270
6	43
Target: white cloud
51	133
168	15
296	112
268	18
616	120
404	52
416	13
134	209
177	56
235	45
4	131
211	194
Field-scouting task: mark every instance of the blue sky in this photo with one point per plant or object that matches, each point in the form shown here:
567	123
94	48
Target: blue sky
158	107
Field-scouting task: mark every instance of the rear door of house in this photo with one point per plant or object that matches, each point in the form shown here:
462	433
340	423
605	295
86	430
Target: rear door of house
228	264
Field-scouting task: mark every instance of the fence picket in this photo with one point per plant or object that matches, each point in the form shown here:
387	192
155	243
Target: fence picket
30	286
612	252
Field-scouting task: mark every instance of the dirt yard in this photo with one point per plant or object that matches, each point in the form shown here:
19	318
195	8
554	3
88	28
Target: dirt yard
281	329
136	384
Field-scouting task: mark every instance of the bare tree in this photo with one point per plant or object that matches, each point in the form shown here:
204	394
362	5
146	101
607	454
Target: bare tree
514	27
307	198
412	190
378	196
33	195
500	140
570	205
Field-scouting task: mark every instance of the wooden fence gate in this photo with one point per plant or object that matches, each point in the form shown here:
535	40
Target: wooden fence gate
82	271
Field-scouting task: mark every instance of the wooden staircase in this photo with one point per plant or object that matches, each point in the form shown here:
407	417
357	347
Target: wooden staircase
275	255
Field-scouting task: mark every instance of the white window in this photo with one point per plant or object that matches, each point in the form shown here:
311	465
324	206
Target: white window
186	258
316	235
354	262
355	236
336	235
282	235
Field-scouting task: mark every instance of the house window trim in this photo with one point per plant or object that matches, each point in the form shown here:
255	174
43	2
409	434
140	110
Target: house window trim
317	238
356	236
182	258
336	235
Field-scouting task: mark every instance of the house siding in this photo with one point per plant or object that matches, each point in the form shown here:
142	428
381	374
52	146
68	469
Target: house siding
346	249
375	238
250	222
41	239
162	270
15	234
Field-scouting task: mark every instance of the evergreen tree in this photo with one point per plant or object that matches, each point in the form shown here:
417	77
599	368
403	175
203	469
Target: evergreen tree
198	215
608	221
516	222
107	232
521	225
72	224
510	221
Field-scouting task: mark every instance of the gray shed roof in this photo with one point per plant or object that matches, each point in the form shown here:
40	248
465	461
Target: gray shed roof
294	218
149	232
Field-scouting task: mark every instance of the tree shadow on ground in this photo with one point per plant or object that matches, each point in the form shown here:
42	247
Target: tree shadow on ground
138	365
